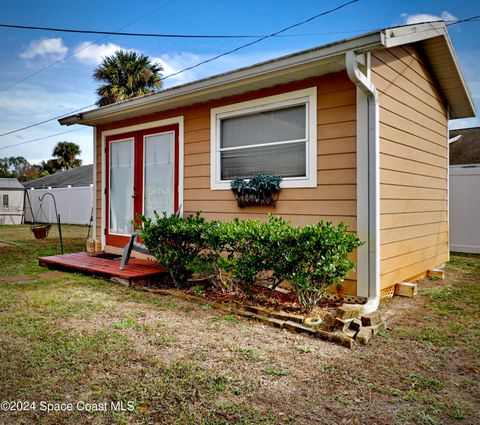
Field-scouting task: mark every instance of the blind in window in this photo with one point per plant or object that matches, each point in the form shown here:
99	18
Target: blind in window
277	125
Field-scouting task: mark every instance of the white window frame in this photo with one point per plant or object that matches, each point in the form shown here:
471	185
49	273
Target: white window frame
307	97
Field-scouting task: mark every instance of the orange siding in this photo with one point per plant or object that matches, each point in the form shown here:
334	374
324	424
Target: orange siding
413	165
333	199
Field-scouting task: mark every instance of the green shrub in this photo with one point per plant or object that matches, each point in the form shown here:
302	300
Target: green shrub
319	258
179	244
247	251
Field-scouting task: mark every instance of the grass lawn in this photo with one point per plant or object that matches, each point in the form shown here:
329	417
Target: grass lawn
68	338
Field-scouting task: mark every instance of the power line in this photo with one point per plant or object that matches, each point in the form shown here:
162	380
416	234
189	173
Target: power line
472	18
263	38
207	60
86	46
39	138
130	34
45	121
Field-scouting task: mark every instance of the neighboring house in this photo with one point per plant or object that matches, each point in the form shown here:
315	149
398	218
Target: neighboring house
73	192
464	196
358	129
465	146
11	201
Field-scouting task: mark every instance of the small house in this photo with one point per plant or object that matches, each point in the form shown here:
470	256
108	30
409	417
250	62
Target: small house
12	195
358	129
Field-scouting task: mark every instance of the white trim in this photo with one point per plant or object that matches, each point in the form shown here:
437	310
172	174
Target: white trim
110	179
94	195
143	167
362	193
368	111
145	126
308	97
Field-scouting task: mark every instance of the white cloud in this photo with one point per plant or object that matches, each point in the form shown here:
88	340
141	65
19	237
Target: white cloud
93	54
425	17
45	47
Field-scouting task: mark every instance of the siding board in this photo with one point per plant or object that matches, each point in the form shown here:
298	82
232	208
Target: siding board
413	166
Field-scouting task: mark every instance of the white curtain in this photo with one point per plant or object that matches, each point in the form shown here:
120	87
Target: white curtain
159	183
121	187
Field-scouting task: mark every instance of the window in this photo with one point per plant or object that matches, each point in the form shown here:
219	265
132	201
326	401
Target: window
5	200
273	135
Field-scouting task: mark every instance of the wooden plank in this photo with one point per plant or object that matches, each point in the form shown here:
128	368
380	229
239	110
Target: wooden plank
197	147
197	136
405	233
339	145
389	221
401	137
404	260
336	115
197	171
197	159
389	191
410	245
395	163
406	273
337	98
407	179
384	61
336	161
408	96
326	192
407	152
195	182
336	130
415	128
300	207
195	124
345	176
392	206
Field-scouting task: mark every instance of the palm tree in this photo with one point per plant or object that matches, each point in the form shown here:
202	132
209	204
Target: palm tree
125	75
66	153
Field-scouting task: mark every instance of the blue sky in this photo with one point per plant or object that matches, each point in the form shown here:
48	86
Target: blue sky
68	85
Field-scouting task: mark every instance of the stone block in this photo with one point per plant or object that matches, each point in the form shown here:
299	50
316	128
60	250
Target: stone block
356	325
364	335
342	324
349	311
287	316
406	289
439	273
297	327
258	310
371	319
343	340
378	328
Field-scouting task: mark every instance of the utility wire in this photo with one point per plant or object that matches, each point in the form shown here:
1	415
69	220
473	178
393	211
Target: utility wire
274	34
86	46
39	138
203	62
473	18
162	35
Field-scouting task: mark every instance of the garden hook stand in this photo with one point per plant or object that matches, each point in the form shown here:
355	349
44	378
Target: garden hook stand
57	215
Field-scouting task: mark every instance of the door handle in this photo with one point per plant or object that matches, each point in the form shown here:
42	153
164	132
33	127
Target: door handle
134	194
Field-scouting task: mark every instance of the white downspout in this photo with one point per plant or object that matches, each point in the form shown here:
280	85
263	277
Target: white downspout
373	243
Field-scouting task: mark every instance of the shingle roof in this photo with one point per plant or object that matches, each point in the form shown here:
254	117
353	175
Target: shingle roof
466	150
81	176
10	183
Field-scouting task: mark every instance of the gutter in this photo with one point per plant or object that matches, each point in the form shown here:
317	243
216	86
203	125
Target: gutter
365	85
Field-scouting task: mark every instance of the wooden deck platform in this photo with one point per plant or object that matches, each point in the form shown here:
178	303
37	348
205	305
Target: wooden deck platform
136	271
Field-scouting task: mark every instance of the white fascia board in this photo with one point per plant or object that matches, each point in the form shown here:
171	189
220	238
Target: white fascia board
167	98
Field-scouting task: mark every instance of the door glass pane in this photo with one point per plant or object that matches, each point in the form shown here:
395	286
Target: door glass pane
278	125
159	174
121	187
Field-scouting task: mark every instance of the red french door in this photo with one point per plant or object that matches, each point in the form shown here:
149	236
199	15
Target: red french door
141	177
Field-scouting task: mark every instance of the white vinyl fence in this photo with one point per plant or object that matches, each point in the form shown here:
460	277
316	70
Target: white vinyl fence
74	204
464	202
